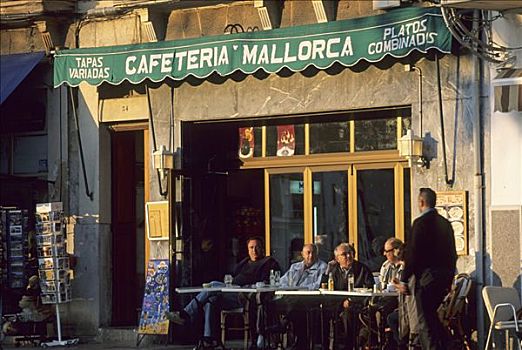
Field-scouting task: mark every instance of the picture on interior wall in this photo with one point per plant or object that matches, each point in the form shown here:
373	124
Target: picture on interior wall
157	220
453	206
285	140
246	142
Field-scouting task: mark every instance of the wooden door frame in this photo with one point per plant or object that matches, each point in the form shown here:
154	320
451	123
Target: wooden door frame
351	169
143	126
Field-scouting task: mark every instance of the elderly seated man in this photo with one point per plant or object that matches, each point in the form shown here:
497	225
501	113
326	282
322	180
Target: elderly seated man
305	274
344	265
255	268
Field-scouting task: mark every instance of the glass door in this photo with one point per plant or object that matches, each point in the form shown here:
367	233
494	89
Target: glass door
286	215
329	209
363	204
379	212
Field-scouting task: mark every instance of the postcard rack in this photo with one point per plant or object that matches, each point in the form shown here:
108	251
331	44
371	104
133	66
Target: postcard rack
53	262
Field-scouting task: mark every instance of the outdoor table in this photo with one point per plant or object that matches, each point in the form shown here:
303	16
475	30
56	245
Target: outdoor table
188	290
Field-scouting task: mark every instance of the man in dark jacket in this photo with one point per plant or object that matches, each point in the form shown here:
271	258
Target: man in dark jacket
254	268
430	257
343	265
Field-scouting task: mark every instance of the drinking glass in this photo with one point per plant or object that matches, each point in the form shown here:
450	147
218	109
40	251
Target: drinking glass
277	277
228	280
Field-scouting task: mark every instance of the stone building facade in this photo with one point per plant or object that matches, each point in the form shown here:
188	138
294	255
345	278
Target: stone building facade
113	118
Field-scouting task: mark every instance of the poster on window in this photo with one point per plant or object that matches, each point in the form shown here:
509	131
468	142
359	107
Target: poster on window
285	140
453	206
246	142
155	299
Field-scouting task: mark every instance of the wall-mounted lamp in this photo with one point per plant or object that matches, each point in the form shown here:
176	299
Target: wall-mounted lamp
163	161
410	147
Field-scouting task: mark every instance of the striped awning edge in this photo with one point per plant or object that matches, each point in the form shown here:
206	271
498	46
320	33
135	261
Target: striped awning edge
508	91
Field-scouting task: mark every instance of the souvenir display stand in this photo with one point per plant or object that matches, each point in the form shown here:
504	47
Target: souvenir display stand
53	263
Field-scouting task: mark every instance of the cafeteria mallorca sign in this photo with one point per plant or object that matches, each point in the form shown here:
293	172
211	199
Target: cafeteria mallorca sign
396	33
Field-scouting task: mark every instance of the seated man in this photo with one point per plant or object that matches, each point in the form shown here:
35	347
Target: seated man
254	268
389	274
343	265
392	267
306	274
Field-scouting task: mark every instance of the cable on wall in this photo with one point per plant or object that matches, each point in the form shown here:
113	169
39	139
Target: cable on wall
442	130
73	104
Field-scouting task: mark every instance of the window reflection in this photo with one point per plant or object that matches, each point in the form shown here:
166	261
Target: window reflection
286	217
329	137
329	211
375	214
375	134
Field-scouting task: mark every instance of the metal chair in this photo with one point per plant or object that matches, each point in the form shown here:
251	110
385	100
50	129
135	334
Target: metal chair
502	304
244	313
453	309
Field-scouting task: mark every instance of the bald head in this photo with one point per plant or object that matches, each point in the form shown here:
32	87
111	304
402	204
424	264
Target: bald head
309	254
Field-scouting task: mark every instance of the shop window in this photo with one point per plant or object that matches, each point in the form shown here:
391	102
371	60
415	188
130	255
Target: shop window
285	140
330	195
375	134
375	214
286	216
329	137
30	154
374	130
258	141
406	124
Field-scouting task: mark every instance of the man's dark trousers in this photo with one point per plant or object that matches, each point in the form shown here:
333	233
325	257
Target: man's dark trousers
430	290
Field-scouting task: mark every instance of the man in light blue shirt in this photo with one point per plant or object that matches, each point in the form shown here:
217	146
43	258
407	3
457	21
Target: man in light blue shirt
306	273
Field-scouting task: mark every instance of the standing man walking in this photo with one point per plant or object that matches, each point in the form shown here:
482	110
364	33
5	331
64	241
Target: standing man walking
430	257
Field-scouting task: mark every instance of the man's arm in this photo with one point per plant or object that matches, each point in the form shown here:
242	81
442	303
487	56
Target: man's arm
413	250
285	280
321	270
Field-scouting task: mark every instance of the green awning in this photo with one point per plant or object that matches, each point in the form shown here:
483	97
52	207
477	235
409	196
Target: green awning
396	33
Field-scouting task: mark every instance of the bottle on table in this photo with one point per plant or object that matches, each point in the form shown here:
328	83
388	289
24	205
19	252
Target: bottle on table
330	281
351	282
272	278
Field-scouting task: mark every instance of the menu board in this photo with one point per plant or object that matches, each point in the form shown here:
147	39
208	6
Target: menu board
453	206
155	299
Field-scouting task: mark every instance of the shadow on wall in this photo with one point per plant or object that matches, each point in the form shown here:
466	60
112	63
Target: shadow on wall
518	285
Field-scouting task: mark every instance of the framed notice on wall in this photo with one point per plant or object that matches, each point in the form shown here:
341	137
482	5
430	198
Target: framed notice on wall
453	205
157	220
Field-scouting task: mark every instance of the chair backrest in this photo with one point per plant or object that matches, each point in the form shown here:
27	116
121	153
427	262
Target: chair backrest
454	303
498	295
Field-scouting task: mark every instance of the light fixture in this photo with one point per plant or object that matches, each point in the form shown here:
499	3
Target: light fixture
163	161
410	147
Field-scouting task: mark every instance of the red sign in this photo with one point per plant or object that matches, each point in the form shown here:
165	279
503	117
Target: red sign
285	140
246	142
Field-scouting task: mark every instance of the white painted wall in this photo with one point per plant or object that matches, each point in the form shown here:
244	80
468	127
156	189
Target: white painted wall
506	159
506	128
